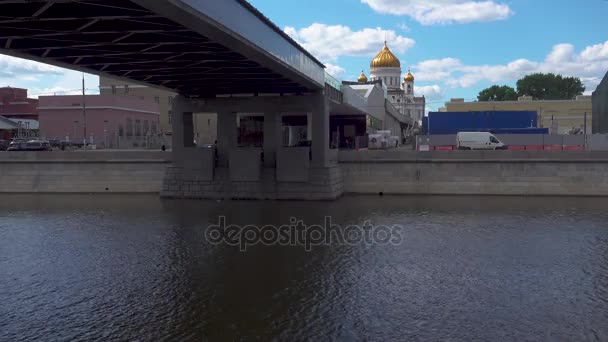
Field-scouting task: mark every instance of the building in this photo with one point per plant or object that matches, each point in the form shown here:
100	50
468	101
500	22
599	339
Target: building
14	104
110	121
386	102
560	116
387	67
600	107
205	124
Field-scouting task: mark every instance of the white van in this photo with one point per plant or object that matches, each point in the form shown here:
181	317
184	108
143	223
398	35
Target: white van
478	141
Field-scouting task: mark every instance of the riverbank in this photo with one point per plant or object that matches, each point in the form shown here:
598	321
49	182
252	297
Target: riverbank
83	172
537	173
402	172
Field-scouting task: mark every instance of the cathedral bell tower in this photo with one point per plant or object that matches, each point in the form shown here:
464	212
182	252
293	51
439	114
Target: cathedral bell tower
408	85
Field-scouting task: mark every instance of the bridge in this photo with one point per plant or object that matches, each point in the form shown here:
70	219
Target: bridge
219	56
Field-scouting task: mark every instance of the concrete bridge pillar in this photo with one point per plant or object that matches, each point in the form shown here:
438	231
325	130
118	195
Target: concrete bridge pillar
226	136
272	137
177	123
320	130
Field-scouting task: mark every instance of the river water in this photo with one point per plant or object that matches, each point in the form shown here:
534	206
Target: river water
123	268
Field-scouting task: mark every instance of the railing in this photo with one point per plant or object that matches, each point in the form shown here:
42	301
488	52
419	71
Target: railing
333	88
333	82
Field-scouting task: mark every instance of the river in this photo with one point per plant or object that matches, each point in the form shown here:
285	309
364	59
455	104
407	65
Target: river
119	267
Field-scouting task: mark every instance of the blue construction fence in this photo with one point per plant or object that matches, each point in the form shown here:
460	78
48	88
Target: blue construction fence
496	122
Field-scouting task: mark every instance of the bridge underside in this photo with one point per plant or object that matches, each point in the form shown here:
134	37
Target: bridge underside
120	38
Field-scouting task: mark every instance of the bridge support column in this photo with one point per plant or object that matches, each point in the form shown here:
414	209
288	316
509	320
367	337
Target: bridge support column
177	123
226	136
272	137
320	131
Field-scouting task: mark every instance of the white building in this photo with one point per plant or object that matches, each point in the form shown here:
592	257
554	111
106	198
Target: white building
387	67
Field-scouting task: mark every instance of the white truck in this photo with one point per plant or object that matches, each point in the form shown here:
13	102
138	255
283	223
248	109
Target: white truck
478	141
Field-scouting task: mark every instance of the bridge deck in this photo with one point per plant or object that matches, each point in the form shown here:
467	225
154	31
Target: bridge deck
166	44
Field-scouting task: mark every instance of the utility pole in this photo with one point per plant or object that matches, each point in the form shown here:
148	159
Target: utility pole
585	130
84	115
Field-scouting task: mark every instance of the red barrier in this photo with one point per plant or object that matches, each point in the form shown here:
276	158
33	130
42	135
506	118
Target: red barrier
553	147
534	147
516	148
444	148
574	148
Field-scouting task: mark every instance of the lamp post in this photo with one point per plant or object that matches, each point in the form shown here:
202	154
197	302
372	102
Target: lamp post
84	116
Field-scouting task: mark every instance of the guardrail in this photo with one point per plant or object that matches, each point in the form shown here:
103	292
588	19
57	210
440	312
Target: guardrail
523	142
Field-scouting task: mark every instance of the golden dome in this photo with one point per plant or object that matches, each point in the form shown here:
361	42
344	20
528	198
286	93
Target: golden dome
408	77
362	78
385	59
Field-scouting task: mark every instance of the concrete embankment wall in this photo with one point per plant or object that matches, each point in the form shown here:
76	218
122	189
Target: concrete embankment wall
582	173
578	173
83	172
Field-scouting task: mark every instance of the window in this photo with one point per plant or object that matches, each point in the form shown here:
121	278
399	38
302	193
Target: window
157	99
146	127
137	128
170	100
126	88
121	131
169	116
208	122
153	127
493	140
129	127
113	89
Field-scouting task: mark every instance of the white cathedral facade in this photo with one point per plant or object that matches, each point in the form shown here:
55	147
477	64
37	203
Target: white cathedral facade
387	67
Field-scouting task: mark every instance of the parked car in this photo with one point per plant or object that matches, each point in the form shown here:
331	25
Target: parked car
478	141
4	144
38	145
17	146
55	143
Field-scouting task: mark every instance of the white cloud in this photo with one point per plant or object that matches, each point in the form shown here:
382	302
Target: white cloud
335	70
430	12
403	27
430	92
328	42
12	66
590	65
43	79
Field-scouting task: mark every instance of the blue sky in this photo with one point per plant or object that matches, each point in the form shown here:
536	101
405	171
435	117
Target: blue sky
462	50
455	48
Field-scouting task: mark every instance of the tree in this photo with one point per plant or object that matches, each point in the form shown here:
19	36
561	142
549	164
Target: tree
550	87
497	93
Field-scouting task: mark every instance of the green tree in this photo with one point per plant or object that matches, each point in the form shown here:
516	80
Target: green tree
550	87
497	93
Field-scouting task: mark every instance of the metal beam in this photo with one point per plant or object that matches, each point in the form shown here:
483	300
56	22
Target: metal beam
123	37
43	9
71	33
107	17
254	104
92	22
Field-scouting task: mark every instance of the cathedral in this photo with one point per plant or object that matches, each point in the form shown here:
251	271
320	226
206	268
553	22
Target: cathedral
387	67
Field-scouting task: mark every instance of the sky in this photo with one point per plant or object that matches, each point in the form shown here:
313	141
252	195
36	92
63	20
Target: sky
455	48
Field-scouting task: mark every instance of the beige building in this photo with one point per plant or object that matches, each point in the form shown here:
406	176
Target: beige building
205	124
560	116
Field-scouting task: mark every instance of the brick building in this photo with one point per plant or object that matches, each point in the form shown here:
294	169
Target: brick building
111	121
14	104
